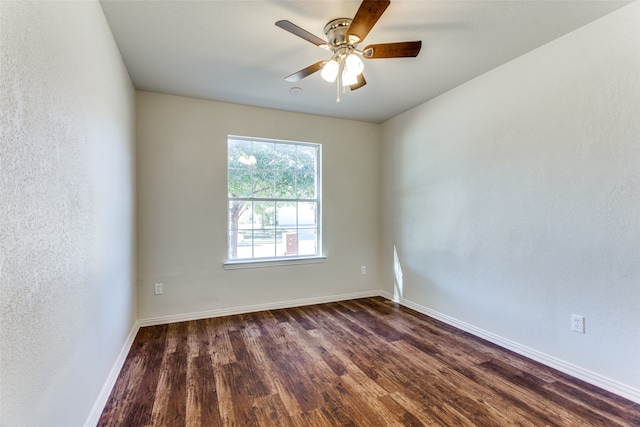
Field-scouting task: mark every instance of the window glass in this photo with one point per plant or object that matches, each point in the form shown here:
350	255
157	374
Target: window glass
273	199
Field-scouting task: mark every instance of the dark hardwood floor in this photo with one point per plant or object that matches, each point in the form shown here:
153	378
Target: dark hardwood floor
365	362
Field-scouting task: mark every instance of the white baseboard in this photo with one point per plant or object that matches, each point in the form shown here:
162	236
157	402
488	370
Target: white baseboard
593	378
162	320
101	401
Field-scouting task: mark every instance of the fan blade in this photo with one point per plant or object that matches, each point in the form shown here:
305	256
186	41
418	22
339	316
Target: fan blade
392	50
296	77
295	30
361	82
366	17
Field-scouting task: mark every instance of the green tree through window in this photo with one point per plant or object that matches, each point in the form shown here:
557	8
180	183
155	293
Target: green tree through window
273	199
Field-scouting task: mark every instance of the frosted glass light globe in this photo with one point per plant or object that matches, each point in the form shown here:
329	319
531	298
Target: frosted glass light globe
330	71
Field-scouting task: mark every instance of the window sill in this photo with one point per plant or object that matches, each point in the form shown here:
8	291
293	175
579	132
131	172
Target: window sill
272	262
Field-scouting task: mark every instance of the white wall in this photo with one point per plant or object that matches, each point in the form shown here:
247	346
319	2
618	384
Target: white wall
67	299
514	200
182	211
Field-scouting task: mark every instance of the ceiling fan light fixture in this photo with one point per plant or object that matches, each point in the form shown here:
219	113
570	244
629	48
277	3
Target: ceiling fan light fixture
354	64
349	78
330	71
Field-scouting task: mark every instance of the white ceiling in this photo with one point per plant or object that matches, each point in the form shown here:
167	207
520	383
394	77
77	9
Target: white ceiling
230	50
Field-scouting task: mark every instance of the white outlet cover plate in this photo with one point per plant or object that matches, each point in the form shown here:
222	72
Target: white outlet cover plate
577	323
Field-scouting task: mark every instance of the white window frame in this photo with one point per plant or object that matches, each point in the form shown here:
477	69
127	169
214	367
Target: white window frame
277	260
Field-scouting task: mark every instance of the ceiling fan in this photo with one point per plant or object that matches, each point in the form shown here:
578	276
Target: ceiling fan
342	37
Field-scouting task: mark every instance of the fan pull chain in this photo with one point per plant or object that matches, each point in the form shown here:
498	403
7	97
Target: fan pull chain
338	81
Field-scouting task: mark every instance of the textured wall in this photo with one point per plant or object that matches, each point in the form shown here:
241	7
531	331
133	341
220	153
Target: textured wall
182	210
67	300
513	200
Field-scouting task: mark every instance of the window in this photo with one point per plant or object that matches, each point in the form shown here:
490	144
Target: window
273	199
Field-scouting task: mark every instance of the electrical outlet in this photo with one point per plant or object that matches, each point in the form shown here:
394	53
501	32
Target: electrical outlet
157	290
577	323
363	269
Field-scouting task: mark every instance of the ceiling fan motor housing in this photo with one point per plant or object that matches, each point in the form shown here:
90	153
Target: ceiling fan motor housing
336	33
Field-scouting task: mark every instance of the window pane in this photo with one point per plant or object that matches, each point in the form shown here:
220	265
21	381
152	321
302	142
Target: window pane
285	184
288	242
264	214
240	154
264	152
307	159
264	243
285	157
245	214
263	183
286	215
240	225
239	182
307	241
245	245
306	186
307	214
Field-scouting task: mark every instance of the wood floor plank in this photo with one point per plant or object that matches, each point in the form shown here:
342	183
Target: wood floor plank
264	356
362	394
403	416
365	362
270	411
218	342
312	418
204	393
133	394
169	408
617	411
